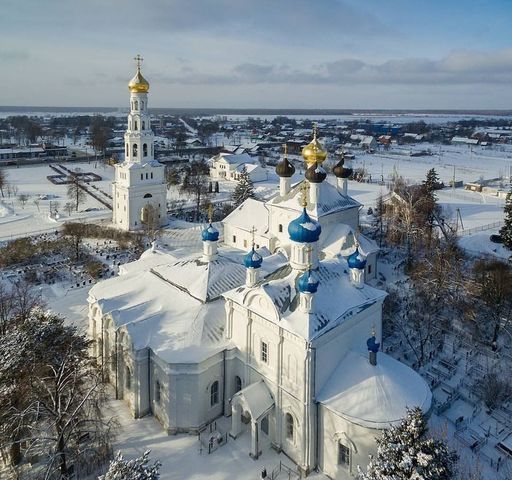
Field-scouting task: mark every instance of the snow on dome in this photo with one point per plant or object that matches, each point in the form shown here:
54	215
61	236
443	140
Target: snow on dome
308	282
210	234
253	259
304	229
356	260
374	396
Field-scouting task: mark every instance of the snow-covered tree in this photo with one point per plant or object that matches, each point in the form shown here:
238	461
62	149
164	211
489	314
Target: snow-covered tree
506	230
244	188
136	469
405	452
51	395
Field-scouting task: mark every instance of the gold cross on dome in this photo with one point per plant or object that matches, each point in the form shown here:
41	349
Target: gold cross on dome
305	189
315	129
138	59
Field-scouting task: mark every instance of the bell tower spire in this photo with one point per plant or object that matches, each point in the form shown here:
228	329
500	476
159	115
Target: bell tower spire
139	189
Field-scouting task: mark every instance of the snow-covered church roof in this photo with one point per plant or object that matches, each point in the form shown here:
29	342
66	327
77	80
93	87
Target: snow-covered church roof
374	396
331	200
277	298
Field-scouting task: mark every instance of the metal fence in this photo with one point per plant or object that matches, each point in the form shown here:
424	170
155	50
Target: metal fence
481	228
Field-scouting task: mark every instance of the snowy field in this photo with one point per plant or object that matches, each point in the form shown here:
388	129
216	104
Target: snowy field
17	220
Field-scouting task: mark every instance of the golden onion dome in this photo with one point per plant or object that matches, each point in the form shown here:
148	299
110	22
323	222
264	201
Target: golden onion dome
138	84
313	152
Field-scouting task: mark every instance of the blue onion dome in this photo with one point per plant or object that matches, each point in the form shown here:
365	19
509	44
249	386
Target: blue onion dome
315	173
285	169
253	259
308	282
356	260
210	234
304	229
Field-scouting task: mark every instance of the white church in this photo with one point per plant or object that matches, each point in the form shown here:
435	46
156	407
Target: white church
276	327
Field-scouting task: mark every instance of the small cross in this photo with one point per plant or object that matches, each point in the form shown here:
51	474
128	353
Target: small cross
305	189
138	59
253	232
315	129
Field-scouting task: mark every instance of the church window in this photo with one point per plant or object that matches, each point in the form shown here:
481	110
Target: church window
369	269
145	150
128	378
245	243
158	392
264	425
289	426
141	104
134	149
238	383
136	105
143	125
234	238
264	352
151	174
280	228
136	124
142	176
148	195
214	393
146	176
343	455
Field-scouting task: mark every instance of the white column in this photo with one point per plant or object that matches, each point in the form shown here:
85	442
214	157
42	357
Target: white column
251	277
254	439
284	185
209	250
236	421
314	193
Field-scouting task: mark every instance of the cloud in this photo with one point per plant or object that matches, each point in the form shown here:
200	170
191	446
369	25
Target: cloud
461	67
13	55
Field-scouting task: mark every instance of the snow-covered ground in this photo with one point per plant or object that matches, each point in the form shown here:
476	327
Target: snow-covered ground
17	220
182	457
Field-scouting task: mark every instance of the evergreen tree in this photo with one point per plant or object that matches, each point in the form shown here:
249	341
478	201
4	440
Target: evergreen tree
431	183
506	230
244	189
404	452
136	469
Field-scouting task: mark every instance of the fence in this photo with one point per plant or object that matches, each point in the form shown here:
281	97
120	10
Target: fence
481	228
282	468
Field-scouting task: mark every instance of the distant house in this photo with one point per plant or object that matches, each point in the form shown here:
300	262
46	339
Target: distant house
229	166
193	142
465	141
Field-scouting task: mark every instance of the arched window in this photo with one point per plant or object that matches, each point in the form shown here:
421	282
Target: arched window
142	104
146	176
280	227
128	378
136	105
151	174
136	125
238	384
143	125
158	392
148	195
343	455
134	153
214	393
289	426
142	176
145	150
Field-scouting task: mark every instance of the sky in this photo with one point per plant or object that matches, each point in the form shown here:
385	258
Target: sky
354	54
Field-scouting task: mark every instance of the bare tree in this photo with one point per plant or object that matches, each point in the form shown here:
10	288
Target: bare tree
76	192
195	182
3	180
6	307
36	202
23	199
68	207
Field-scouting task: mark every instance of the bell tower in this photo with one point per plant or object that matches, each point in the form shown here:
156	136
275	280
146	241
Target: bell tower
139	189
